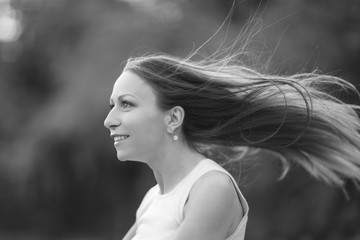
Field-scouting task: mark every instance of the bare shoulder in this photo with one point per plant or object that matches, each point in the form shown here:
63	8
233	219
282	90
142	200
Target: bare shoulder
215	183
213	207
217	187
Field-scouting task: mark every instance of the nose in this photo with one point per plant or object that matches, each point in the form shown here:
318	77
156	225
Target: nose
111	121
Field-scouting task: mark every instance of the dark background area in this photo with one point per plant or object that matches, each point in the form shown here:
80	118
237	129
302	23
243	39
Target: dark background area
59	176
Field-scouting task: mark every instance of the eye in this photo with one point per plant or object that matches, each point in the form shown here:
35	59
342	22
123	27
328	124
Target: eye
125	104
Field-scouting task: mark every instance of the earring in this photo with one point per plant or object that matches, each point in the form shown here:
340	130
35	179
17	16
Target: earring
173	134
175	137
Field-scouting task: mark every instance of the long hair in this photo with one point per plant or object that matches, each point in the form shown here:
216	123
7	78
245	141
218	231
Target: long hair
226	104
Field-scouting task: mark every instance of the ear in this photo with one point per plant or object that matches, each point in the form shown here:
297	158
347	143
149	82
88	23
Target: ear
174	118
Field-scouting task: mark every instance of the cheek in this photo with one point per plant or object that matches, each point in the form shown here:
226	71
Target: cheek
147	129
153	130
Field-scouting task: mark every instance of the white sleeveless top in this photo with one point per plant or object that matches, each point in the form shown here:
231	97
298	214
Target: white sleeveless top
160	215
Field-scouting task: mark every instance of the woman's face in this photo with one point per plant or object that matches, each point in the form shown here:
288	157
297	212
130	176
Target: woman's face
135	121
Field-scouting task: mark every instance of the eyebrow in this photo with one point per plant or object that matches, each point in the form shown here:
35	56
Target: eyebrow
122	96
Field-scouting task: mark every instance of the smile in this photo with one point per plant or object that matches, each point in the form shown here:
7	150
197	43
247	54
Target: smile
119	138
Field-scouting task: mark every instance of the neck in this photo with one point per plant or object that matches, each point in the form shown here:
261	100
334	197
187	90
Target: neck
174	164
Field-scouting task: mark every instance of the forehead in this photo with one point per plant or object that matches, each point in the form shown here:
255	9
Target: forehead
130	83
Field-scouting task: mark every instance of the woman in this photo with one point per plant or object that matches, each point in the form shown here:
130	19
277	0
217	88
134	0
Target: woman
172	113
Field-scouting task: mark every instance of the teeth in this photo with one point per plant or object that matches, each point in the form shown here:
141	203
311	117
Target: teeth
119	138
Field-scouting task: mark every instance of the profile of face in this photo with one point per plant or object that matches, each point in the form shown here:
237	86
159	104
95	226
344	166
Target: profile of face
136	123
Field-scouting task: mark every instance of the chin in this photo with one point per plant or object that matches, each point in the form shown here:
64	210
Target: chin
124	158
127	158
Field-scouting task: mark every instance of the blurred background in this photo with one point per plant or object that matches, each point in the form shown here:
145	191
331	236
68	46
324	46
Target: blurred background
59	176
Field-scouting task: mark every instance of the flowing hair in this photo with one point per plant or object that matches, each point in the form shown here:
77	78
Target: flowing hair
228	105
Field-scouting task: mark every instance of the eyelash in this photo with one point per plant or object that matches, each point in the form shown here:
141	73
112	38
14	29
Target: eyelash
123	104
126	104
